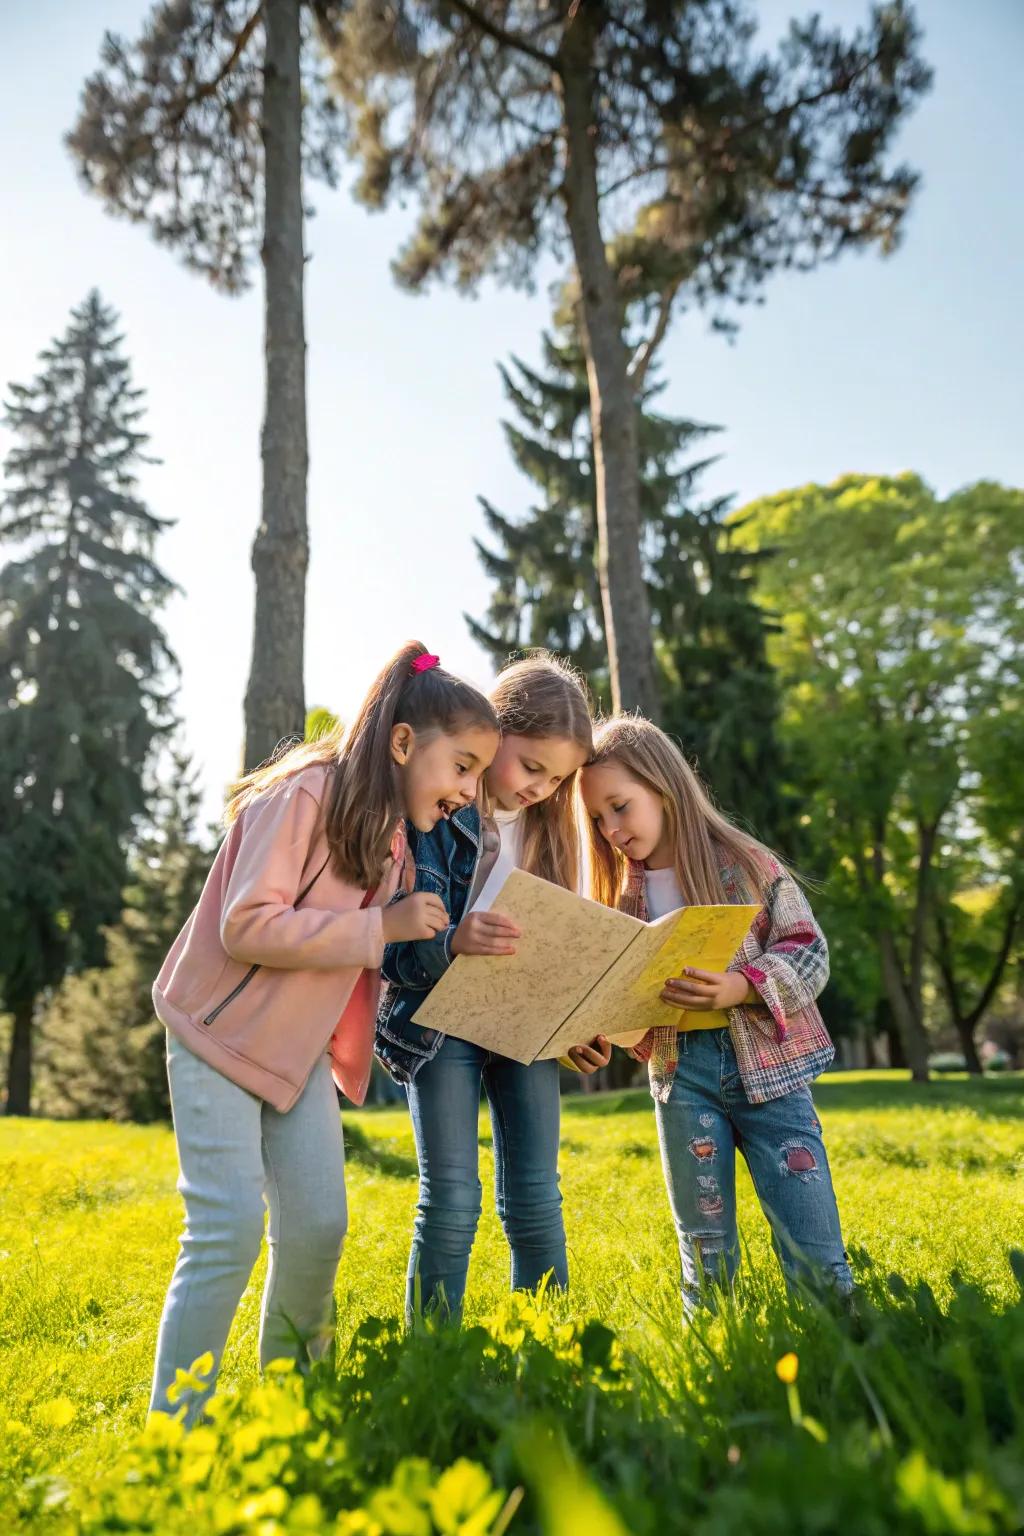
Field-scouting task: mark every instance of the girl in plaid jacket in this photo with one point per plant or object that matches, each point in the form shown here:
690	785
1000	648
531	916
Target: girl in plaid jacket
733	1072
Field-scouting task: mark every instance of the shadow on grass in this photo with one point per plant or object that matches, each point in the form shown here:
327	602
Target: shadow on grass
366	1153
1001	1097
616	1102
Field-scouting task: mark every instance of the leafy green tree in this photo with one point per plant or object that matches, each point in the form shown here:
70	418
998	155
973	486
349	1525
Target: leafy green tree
202	129
716	688
900	651
87	672
679	164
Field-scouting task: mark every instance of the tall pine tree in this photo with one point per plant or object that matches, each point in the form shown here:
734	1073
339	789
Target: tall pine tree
672	157
87	669
717	689
205	127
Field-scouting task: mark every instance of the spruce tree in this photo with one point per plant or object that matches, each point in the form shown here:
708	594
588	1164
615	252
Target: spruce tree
717	689
87	670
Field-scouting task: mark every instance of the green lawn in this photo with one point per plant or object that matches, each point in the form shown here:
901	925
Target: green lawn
930	1184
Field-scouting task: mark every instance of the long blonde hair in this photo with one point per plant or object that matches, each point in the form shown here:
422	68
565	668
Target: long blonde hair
365	798
543	696
703	840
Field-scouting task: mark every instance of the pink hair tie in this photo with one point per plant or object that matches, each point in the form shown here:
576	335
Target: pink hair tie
424	664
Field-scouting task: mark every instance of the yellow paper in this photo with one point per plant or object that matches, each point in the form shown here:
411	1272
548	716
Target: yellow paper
580	970
705	938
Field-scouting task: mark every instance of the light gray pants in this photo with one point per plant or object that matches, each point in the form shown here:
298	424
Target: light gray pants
237	1154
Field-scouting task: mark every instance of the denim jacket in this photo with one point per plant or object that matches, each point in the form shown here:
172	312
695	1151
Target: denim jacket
446	860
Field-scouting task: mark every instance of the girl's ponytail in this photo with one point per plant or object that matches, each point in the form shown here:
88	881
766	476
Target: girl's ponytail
365	799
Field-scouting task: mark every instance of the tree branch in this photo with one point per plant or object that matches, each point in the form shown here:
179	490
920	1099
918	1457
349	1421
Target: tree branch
506	39
836	87
943	959
1012	918
209	87
641	360
636	174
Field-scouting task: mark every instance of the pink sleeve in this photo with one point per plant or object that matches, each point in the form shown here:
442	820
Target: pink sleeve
259	924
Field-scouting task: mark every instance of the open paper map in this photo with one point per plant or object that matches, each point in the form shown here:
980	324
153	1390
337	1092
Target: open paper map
580	970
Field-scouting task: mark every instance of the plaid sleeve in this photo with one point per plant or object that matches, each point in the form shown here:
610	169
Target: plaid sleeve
785	955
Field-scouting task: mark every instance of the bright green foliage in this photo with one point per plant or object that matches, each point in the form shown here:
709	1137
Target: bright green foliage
899	651
86	669
600	1407
320	722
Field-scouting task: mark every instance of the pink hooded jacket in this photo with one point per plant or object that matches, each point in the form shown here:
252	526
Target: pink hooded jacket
318	976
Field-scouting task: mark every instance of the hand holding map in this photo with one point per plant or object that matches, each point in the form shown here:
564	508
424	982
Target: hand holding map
580	970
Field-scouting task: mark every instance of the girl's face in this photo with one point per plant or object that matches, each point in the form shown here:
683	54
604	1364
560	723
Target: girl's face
627	813
527	769
440	773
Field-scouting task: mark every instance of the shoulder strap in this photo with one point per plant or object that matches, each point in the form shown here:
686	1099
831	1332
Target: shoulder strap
310	884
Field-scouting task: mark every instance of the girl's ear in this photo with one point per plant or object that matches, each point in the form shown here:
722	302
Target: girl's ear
403	739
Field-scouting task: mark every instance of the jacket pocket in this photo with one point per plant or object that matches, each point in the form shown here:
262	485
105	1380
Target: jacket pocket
408	1036
216	1011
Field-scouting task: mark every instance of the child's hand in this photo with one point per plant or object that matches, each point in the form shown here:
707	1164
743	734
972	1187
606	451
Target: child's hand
589	1058
704	991
485	933
422	916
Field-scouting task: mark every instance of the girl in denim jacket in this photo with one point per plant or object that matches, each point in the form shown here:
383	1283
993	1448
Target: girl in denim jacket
734	1072
546	737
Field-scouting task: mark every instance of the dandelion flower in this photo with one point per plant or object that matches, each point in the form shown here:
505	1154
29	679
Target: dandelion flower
786	1368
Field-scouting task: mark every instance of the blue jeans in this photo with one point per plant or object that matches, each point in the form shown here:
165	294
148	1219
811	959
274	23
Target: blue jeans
444	1100
707	1117
239	1157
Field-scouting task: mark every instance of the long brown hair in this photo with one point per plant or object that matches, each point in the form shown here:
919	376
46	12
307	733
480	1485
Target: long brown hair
543	696
365	799
703	839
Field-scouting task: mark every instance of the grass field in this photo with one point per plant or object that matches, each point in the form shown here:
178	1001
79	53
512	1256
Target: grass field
916	1405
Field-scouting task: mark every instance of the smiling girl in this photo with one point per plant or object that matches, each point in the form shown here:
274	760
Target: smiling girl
546	737
273	980
734	1073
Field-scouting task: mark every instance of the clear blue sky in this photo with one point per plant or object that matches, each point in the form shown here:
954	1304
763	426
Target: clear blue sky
867	365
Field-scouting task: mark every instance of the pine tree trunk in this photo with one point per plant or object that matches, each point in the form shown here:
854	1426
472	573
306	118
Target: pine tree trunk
612	407
906	1019
19	1061
274	700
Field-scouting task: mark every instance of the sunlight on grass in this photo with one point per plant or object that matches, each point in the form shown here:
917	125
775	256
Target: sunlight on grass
929	1182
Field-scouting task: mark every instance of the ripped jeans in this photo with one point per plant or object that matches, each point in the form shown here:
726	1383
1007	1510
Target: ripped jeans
707	1117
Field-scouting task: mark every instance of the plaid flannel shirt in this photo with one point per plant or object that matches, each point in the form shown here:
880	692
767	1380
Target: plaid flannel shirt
780	1042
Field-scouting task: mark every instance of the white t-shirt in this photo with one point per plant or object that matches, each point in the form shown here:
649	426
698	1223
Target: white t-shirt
661	892
510	830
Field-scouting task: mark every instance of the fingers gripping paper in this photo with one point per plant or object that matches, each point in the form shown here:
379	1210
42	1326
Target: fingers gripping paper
580	969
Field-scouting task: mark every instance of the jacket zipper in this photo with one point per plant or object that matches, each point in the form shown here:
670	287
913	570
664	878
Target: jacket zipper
250	973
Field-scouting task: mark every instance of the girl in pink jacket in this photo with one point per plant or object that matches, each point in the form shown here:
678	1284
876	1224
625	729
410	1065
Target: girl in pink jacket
271	987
